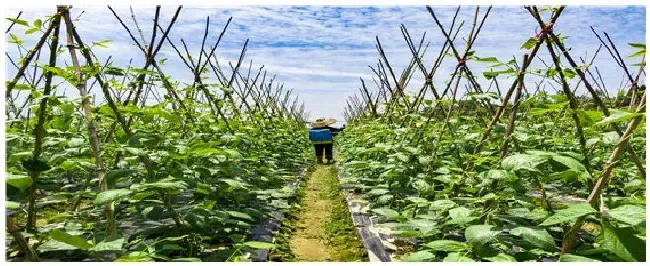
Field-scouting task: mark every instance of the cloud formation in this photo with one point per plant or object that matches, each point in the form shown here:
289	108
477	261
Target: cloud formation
322	51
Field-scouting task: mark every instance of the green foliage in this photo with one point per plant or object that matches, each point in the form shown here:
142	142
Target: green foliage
178	189
464	205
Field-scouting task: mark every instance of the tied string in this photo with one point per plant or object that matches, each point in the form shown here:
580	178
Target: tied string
546	30
462	62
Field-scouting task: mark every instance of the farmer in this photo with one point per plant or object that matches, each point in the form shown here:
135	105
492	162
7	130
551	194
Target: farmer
322	136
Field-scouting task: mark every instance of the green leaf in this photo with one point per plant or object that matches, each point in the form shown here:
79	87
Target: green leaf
623	242
76	142
501	257
53	245
416	199
378	191
116	71
478	235
15	39
22	87
12	205
102	43
637	54
168	186
496	174
491	59
611	138
536	237
617	116
456	257
32	30
21	182
638	45
135	256
37	23
575	258
240	215
447	246
388	213
530	43
629	214
569	162
114	175
419	256
443	204
522	161
461	215
568	73
75	241
571	213
111	195
233	154
259	245
113	243
187	260
19	21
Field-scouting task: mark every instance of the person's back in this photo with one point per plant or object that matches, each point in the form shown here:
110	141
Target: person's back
322	136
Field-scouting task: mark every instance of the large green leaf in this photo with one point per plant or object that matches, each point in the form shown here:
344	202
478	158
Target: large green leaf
623	242
233	154
187	260
575	258
522	161
456	257
167	185
496	174
501	257
478	235
203	150
572	213
19	21
447	246
21	182
12	205
419	256
569	162
134	256
76	241
53	245
111	195
259	245
240	215
629	214
617	116
529	44
611	138
113	243
388	213
537	237
443	205
461	215
114	175
378	191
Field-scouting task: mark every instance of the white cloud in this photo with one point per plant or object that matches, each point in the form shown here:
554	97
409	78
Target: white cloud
322	51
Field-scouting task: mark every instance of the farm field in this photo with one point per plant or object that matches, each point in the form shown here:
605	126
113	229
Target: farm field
522	159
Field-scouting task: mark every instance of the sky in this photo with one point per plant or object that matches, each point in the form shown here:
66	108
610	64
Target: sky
321	51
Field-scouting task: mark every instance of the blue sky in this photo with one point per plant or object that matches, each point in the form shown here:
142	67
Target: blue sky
321	51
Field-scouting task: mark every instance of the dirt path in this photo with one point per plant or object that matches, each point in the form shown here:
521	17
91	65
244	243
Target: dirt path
324	229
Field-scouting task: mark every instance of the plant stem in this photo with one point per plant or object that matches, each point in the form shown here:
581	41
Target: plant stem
92	126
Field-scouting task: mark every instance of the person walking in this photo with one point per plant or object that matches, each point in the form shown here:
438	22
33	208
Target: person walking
322	136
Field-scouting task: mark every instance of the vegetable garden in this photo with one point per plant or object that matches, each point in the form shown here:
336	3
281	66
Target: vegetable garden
548	168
